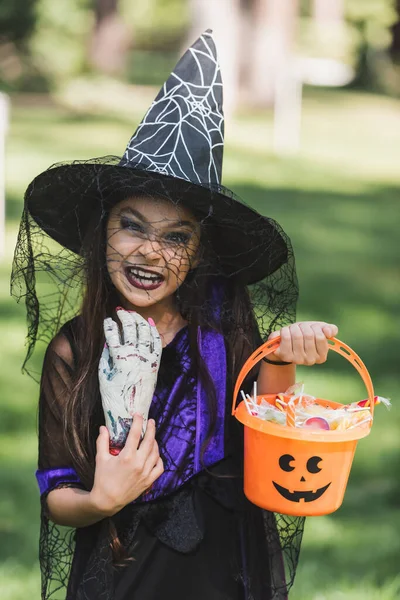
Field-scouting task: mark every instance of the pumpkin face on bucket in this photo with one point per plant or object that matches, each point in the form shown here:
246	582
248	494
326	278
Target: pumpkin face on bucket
295	477
287	464
300	477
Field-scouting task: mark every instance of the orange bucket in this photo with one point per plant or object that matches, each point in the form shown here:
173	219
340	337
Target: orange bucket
297	471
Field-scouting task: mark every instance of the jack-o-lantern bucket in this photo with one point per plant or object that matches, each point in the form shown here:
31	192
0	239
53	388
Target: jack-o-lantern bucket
297	471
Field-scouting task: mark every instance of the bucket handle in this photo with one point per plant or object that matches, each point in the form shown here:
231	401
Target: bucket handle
334	344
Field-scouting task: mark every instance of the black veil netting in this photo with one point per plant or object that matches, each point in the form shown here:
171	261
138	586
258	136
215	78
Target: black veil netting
246	260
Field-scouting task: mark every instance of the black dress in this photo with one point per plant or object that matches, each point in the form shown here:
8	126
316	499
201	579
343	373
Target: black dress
188	546
204	541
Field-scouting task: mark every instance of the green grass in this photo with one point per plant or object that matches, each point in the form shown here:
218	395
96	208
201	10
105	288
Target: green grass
337	199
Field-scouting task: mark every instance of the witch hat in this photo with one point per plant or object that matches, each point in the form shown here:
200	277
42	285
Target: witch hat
175	153
182	133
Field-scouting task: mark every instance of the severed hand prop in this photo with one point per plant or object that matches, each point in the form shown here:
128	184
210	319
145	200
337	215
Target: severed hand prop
128	373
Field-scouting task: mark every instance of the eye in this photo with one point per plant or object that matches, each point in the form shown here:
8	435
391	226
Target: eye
312	464
131	225
284	462
178	237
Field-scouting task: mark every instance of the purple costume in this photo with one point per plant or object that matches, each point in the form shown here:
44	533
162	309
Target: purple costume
181	429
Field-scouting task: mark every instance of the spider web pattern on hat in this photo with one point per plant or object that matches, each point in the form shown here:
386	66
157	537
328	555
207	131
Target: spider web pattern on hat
176	153
182	134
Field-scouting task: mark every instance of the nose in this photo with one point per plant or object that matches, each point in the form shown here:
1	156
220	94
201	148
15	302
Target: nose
151	250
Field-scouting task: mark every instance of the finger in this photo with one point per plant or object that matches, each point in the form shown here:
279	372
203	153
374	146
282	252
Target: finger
128	320
157	471
151	460
148	439
111	333
330	330
309	344
285	350
134	435
297	340
274	335
102	442
322	345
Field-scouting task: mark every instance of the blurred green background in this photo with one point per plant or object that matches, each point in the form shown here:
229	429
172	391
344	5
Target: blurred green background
337	198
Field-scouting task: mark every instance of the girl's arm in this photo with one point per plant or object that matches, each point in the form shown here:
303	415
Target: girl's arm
73	507
302	343
275	379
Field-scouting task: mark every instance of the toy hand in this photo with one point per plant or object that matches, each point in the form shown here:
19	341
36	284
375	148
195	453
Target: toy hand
304	343
128	373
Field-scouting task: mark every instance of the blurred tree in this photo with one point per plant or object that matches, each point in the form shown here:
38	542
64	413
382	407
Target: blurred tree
273	25
373	21
17	23
158	29
328	12
17	20
254	38
57	40
110	38
59	43
395	46
157	25
324	33
360	35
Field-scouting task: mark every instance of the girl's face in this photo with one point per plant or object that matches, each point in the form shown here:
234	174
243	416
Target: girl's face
151	246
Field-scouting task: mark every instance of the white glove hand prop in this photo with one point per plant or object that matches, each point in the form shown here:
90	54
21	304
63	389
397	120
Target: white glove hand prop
128	374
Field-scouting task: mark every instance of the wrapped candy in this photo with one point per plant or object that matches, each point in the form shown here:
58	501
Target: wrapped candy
297	409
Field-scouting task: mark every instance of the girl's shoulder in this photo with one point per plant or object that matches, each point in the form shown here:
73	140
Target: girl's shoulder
63	345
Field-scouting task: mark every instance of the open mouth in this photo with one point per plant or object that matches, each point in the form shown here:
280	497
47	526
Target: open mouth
143	279
307	496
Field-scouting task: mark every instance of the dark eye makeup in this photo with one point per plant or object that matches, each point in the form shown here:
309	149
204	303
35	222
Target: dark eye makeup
127	223
173	237
178	237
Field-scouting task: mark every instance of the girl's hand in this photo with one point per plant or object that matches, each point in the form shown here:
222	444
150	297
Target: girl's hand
303	343
119	480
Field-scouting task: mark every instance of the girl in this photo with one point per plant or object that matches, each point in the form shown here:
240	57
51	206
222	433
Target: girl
181	281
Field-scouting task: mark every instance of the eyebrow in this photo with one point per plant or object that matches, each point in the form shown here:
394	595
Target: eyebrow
139	215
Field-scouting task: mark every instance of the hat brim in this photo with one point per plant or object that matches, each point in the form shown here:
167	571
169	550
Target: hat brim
62	199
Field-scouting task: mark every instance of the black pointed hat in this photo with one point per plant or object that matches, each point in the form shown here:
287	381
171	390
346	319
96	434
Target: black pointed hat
182	134
176	152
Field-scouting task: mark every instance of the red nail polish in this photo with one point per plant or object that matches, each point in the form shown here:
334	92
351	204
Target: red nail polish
150	320
115	451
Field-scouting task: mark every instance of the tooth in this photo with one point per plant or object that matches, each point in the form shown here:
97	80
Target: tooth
144	275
